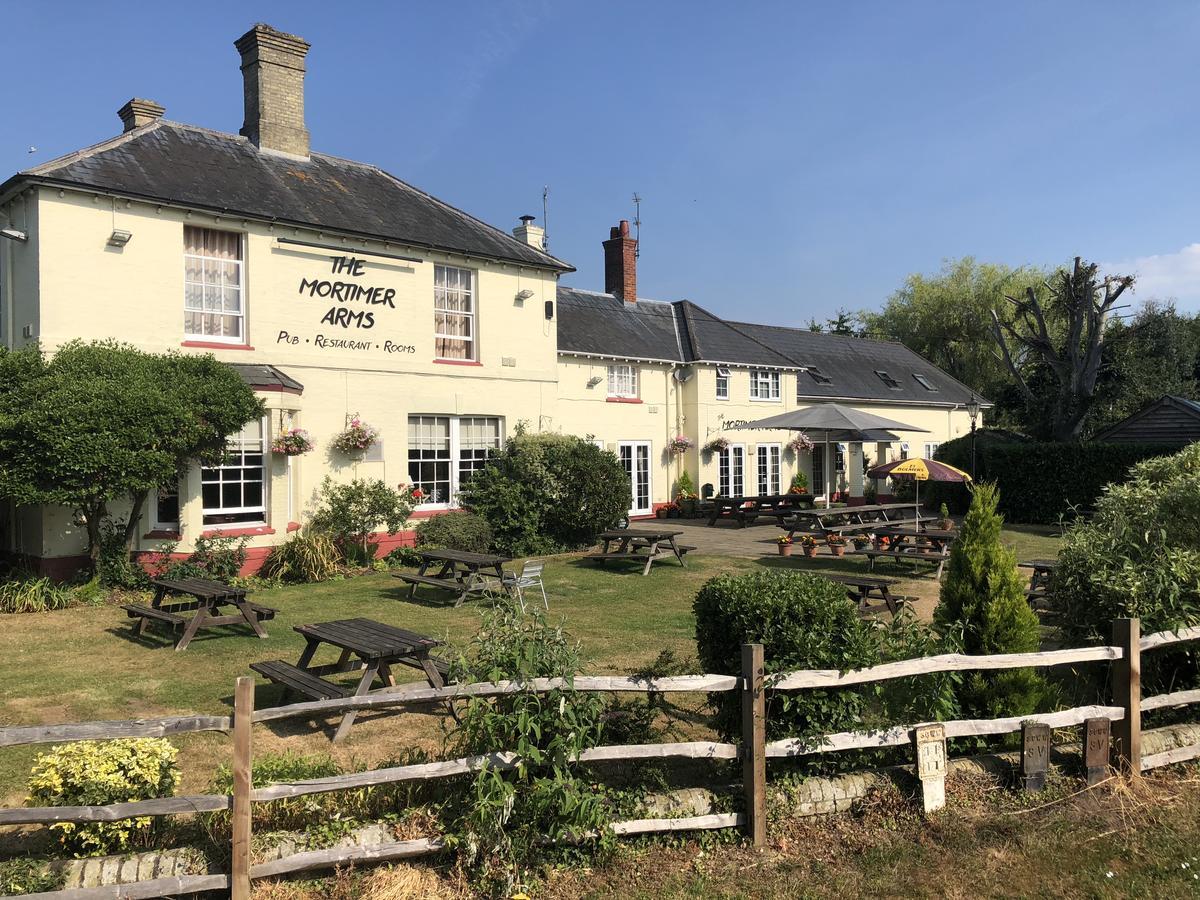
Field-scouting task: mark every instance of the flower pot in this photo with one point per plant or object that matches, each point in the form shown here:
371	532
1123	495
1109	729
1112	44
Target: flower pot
810	552
837	549
688	507
784	549
660	513
672	514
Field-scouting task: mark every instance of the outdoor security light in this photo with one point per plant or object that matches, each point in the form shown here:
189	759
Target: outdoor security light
524	295
119	238
13	234
594	380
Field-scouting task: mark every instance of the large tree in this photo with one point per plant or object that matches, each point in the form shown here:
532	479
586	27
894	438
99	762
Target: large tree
947	317
1061	328
102	422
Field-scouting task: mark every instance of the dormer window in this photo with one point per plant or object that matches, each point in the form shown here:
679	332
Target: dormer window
923	381
818	376
888	380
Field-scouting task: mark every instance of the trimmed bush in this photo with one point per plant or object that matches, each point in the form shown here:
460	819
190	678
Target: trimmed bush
97	773
1039	483
351	512
456	531
803	622
216	558
306	557
548	492
982	610
1139	556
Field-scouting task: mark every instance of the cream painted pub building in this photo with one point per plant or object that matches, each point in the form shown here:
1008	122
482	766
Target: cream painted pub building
336	289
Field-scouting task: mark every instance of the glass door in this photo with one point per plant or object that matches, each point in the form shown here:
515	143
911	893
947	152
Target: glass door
635	457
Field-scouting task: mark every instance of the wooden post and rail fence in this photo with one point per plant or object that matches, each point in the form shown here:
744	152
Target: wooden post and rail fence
753	750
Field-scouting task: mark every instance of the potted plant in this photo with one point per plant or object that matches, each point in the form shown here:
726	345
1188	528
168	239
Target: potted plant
784	543
809	543
837	544
357	438
672	510
860	541
944	521
717	445
685	495
661	512
293	442
799	484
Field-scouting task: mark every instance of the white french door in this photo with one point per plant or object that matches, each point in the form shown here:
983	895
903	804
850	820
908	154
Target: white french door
731	471
768	470
635	457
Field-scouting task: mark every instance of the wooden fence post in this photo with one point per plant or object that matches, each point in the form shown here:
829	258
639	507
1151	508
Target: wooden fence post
1127	694
754	744
243	712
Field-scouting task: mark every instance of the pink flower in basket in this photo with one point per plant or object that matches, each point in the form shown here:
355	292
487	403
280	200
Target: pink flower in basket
293	442
680	444
801	442
357	438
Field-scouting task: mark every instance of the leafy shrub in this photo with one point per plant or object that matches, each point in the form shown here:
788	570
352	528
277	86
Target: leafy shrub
403	556
351	512
685	488
982	609
1042	482
22	592
216	558
957	452
97	773
507	817
307	556
25	875
803	622
116	566
458	530
1139	556
546	492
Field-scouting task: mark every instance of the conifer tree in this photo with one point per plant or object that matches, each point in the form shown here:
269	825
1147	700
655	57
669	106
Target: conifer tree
983	610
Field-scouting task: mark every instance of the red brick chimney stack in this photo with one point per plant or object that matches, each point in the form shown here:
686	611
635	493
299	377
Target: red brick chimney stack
620	263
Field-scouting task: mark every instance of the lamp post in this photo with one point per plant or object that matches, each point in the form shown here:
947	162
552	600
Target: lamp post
973	414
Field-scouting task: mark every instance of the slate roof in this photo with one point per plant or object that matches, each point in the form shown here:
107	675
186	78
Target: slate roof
682	332
267	378
195	167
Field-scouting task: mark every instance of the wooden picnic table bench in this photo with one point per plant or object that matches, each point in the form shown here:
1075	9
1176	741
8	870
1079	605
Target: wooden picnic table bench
207	597
861	587
906	537
855	519
641	544
744	510
910	555
374	647
1039	578
462	572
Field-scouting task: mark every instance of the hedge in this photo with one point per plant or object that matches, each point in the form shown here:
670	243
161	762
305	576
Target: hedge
1040	482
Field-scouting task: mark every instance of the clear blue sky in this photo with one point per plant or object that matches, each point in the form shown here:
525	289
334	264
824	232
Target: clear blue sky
793	158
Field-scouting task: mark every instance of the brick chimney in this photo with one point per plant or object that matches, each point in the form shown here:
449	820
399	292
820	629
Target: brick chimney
528	233
138	112
620	263
273	76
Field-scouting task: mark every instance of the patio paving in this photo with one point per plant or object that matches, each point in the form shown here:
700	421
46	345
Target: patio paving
725	538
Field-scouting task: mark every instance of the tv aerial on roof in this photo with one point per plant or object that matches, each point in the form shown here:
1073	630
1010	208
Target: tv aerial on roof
637	224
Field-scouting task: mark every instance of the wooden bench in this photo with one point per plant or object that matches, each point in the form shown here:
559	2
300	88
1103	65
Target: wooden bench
439	662
136	611
913	555
293	678
448	584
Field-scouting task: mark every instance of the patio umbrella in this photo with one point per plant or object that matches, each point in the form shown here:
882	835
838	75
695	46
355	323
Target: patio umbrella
837	422
918	470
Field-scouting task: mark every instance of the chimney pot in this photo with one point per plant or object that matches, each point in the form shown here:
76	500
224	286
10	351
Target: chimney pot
620	263
273	89
528	233
138	112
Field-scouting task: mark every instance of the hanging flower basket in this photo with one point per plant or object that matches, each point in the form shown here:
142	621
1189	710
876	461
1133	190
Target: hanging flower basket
679	445
358	437
717	445
801	442
293	442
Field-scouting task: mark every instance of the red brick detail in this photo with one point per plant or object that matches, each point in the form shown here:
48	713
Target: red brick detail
623	400
420	513
856	501
58	568
215	345
884	498
252	531
620	263
293	526
457	362
162	535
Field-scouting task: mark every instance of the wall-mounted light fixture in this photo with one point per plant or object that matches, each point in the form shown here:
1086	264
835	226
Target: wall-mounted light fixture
594	380
524	295
13	234
119	238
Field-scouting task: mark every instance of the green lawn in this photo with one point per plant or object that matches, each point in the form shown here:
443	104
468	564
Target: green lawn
83	664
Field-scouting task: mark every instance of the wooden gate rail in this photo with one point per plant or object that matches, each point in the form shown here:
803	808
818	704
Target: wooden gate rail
1164	701
16	735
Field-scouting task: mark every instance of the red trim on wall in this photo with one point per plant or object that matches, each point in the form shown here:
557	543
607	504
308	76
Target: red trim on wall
162	535
856	501
293	526
419	513
457	362
57	568
884	498
237	532
215	345
622	400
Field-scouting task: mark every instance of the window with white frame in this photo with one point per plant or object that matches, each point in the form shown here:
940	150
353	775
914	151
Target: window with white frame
768	470
931	449
818	470
445	451
722	384
213	305
454	313
904	450
731	471
764	385
166	508
235	491
623	382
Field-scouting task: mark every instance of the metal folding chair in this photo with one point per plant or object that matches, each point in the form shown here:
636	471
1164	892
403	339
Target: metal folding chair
529	577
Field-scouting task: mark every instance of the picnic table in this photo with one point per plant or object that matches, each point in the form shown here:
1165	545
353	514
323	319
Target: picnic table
744	510
207	597
461	572
641	544
899	536
854	519
1039	578
365	644
861	587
